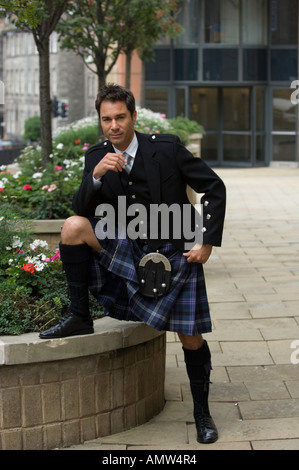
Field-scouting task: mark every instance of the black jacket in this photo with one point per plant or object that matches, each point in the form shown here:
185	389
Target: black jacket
169	168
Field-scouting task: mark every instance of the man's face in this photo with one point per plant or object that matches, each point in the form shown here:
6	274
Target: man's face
117	123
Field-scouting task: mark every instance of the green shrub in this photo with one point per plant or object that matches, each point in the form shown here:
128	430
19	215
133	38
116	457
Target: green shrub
32	129
46	193
33	289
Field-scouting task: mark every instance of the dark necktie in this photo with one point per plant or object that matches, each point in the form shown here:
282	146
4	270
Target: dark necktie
130	161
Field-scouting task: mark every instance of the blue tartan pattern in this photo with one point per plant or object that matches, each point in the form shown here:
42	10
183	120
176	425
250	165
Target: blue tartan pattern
114	283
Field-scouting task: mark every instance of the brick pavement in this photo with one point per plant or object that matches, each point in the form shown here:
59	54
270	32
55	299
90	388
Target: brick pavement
253	287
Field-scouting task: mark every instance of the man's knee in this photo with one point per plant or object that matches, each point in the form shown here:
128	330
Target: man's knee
191	342
73	229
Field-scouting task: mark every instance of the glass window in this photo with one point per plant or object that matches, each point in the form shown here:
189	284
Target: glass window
284	65
236	109
209	147
156	99
260	148
255	65
236	148
220	64
284	112
186	64
284	148
159	69
204	107
222	21
260	109
254	26
180	95
189	18
284	21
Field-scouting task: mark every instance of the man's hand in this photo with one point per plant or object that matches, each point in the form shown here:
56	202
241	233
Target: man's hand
199	254
111	161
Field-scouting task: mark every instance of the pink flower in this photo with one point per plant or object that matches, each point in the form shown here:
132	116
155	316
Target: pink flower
57	168
85	146
27	187
1	189
45	186
55	257
52	188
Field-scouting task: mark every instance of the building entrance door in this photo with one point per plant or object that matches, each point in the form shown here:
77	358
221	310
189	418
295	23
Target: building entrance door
233	119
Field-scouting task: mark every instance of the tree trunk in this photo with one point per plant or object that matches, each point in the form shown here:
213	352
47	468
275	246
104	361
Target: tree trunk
128	69
142	89
101	82
45	101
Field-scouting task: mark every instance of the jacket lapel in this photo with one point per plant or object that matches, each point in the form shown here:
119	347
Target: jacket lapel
151	166
112	178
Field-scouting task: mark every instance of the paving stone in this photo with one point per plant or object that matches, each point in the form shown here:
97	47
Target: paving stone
153	433
243	353
293	388
282	444
259	429
268	390
281	350
269	409
286	372
243	330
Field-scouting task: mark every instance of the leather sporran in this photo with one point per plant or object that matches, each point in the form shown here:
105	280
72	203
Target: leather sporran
154	273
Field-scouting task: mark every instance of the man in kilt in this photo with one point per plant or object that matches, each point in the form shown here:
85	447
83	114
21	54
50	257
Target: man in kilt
137	270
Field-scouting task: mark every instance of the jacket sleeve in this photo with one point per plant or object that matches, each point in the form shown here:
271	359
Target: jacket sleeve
88	196
203	180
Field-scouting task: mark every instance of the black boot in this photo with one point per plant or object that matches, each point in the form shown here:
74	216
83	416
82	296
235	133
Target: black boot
198	364
77	321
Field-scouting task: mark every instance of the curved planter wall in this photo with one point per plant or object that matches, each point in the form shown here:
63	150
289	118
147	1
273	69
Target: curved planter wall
55	393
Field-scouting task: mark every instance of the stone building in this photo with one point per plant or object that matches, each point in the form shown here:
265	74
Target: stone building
71	82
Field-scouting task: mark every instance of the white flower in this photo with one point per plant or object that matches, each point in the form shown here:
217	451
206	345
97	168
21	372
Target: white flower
36	243
16	242
38	261
59	146
37	175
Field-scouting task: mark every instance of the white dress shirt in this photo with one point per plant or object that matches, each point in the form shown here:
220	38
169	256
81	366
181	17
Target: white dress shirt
130	150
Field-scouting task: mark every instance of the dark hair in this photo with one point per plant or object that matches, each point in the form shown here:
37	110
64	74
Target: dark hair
114	93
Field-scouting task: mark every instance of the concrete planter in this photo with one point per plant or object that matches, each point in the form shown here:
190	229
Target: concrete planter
48	230
60	392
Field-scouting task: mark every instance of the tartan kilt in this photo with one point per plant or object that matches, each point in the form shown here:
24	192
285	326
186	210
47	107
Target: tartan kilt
114	283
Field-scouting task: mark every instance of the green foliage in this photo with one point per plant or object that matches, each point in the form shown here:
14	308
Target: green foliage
36	192
29	275
43	193
101	29
32	129
84	132
28	12
184	127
